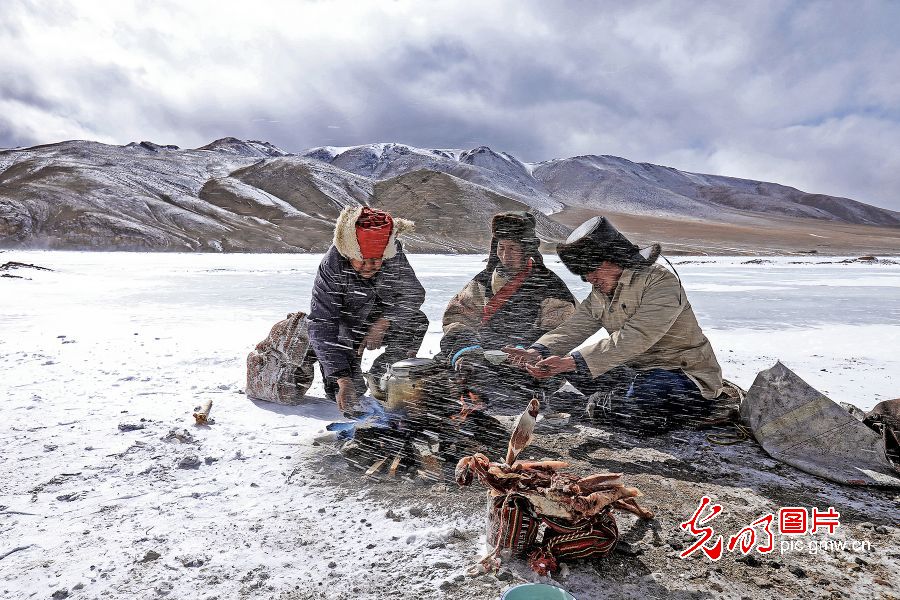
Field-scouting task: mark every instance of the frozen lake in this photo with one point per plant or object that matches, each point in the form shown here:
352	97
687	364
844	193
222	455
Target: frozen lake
836	325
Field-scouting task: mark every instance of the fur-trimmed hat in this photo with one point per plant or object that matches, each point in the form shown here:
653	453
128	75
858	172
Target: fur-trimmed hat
597	240
517	226
345	239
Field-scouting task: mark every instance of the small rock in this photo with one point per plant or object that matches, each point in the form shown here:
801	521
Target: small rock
416	511
860	561
716	586
867	525
321	511
882	529
676	545
210	460
332	565
750	561
191	561
459	578
762	582
179	435
370	546
151	555
191	461
446	584
131	426
392	515
254	485
505	575
50	447
442	565
630	548
797	571
164	588
70	497
78	586
59	594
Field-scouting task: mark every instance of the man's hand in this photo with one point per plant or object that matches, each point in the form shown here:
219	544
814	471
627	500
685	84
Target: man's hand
464	363
346	394
550	366
375	337
522	356
463	369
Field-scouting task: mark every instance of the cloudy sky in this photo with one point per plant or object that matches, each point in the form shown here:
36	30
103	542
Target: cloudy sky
806	94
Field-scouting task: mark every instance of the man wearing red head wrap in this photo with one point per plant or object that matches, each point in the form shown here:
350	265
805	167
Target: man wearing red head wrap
366	295
373	230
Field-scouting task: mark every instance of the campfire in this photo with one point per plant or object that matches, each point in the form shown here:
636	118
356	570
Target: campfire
421	433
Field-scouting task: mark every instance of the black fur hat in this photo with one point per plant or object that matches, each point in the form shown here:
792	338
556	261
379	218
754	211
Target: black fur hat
595	241
514	225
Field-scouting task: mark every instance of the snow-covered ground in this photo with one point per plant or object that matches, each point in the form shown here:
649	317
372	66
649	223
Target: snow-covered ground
126	339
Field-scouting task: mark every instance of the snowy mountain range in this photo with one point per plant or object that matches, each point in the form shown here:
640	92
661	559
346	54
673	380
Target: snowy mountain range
235	195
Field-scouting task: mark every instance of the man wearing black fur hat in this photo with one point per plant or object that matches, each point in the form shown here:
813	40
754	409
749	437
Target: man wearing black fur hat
656	363
512	302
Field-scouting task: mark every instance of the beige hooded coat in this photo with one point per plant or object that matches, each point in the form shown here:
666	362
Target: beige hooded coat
651	326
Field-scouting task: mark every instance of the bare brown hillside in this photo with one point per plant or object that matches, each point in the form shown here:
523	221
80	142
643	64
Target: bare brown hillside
772	235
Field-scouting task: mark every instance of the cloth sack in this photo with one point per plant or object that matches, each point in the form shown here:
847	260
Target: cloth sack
514	525
280	368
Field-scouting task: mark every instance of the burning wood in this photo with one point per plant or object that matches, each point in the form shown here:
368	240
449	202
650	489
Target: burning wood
466	409
376	466
395	464
430	466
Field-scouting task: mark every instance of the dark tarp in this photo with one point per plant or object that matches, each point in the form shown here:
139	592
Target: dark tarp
798	425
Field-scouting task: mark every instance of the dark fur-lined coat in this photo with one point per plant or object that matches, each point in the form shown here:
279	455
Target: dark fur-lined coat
342	301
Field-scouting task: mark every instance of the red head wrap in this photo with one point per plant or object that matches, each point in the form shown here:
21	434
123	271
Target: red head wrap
373	230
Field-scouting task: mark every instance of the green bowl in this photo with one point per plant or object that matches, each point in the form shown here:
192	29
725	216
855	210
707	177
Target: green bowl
536	591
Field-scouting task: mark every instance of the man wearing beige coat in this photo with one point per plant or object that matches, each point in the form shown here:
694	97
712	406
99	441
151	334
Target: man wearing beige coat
656	365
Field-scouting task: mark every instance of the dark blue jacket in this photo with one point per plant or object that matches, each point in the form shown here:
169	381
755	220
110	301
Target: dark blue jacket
342	305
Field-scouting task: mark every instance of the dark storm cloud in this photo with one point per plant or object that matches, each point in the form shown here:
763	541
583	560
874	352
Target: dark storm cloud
798	93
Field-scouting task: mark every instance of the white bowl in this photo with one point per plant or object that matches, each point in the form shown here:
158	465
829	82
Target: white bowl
495	357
